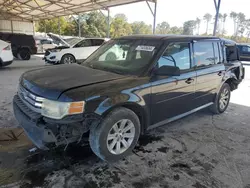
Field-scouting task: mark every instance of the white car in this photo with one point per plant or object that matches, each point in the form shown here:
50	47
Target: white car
6	56
73	53
44	44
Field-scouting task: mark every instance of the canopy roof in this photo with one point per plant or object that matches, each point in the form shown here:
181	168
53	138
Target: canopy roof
29	10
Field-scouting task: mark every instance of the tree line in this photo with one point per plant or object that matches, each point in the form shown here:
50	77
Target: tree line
94	24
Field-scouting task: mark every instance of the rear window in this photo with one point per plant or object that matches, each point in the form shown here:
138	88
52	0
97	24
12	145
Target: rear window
97	42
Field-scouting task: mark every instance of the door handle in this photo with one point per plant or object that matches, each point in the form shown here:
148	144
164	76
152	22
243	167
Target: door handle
189	80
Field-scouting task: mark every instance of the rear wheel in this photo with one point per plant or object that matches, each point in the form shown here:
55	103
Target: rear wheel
222	100
24	54
116	136
68	59
15	55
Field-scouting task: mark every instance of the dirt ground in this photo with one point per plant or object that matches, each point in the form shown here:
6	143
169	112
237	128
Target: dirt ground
9	77
200	151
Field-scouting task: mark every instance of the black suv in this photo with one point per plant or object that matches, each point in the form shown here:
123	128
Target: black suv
22	45
244	52
128	86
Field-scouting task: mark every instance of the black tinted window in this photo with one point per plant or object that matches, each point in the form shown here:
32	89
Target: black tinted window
245	49
46	42
83	43
203	53
97	42
176	54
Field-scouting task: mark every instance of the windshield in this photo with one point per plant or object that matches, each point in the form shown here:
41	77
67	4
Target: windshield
124	56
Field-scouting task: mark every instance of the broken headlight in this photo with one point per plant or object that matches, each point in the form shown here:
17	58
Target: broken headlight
58	110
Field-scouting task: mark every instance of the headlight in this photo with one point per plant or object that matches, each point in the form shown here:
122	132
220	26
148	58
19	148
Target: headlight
58	110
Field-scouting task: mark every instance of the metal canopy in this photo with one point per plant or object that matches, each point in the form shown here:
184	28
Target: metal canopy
32	10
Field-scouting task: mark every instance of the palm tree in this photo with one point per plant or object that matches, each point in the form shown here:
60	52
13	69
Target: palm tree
241	18
224	18
248	28
198	23
207	17
233	15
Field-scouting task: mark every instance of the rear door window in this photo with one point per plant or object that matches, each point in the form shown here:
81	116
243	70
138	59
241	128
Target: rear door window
83	43
97	42
204	54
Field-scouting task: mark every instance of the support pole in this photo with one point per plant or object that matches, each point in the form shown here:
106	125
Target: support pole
59	26
107	20
79	26
217	8
153	13
108	23
154	26
34	28
11	25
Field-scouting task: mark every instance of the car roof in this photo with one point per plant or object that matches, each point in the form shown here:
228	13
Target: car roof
166	37
96	38
243	44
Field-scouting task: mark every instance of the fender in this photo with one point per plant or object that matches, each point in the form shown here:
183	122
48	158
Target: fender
230	76
126	98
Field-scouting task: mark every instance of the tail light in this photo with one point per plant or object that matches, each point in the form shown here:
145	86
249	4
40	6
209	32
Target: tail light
7	48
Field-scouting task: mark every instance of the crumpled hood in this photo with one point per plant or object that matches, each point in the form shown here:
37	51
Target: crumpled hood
51	82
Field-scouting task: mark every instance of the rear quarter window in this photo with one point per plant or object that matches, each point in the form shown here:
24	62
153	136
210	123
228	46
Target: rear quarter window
97	42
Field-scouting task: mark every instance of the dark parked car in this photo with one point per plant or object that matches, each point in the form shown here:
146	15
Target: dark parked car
244	50
23	46
148	82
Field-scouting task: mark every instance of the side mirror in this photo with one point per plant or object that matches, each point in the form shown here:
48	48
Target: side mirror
166	70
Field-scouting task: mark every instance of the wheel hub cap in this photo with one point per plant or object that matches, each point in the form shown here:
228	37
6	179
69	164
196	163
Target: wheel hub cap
224	99
120	136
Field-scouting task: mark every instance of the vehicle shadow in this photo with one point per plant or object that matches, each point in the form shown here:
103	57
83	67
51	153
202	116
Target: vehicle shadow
30	169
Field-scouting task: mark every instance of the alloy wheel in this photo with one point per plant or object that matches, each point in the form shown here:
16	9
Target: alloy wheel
224	99
68	60
120	136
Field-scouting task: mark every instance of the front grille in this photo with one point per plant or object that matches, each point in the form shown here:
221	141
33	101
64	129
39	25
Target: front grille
47	53
32	101
25	109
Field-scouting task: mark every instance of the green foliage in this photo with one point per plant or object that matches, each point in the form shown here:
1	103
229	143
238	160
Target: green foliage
188	27
141	28
120	27
163	28
52	25
176	30
94	24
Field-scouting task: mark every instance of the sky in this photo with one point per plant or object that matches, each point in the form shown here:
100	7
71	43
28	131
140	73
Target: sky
176	12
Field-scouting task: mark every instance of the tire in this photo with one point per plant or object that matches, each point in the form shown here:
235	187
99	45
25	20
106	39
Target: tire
98	137
24	54
223	95
15	55
68	59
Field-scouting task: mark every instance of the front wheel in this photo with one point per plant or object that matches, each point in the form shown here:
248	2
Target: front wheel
68	59
222	100
116	136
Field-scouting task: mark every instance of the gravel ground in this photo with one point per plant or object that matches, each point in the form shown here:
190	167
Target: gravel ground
200	151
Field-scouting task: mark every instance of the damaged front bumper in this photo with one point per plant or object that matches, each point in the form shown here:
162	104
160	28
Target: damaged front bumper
47	133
